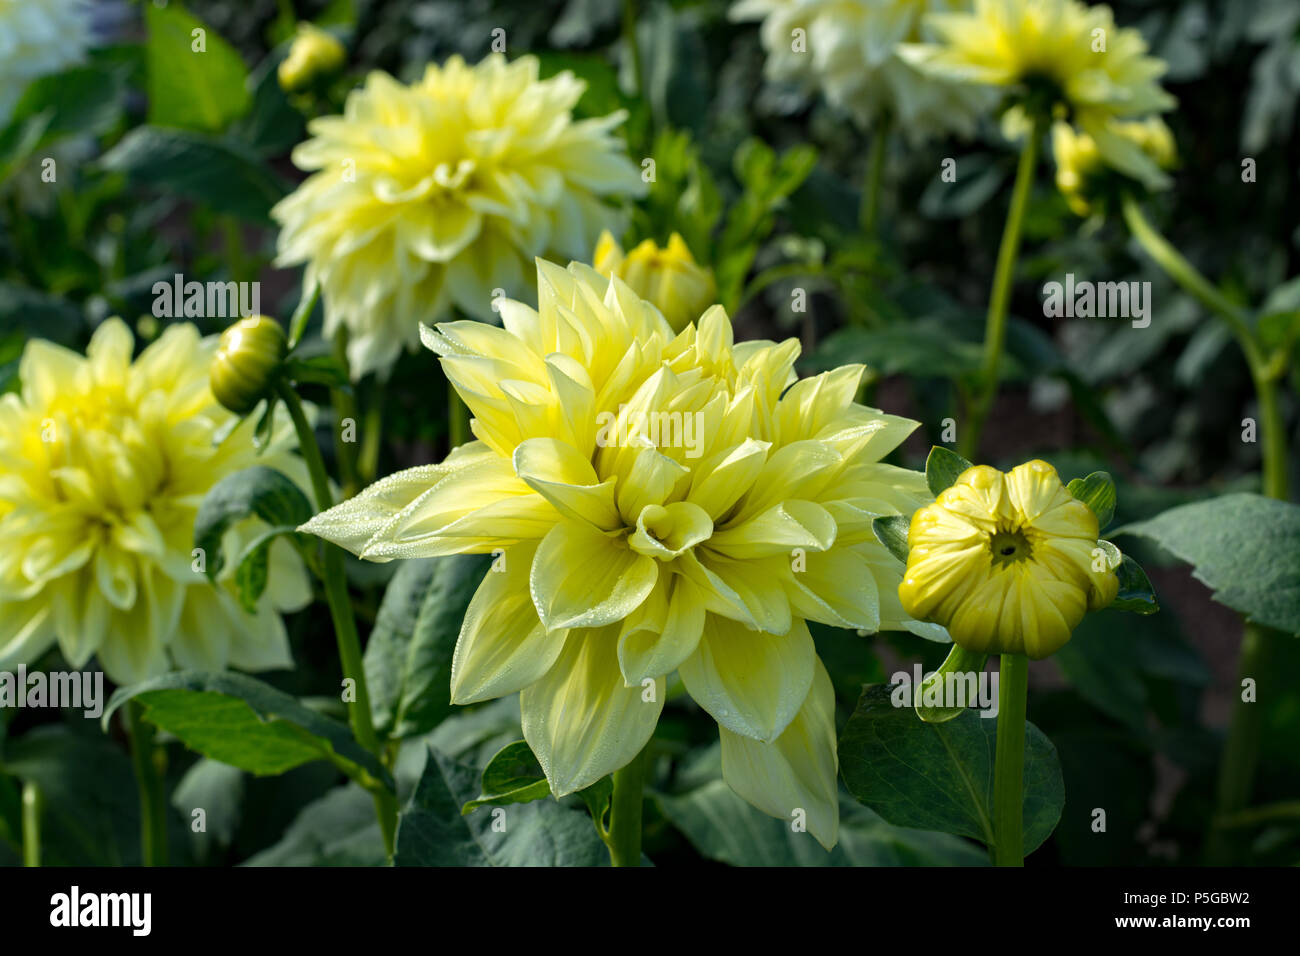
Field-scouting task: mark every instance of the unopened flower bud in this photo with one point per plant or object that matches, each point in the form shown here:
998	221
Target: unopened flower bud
244	369
312	55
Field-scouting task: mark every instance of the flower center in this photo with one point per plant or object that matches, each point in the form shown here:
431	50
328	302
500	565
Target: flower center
1009	547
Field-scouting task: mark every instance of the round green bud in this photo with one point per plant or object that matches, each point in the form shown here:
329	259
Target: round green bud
243	371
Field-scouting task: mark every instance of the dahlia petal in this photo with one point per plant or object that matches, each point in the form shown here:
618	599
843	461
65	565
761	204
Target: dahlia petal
795	772
580	720
582	578
751	682
503	646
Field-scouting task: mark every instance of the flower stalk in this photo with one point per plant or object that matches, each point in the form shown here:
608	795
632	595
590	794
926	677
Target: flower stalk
625	812
340	606
1009	763
33	804
995	329
153	803
1241	749
869	210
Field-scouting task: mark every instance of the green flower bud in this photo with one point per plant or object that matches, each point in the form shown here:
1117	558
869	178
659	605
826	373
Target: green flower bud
244	369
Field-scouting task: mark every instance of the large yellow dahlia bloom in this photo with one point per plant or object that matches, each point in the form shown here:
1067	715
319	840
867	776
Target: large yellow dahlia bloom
103	464
429	196
659	502
1008	562
1062	56
849	49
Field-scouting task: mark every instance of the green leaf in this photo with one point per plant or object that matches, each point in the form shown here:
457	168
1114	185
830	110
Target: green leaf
942	469
940	776
92	815
188	88
598	798
891	531
1097	491
977	179
408	657
338	829
218	790
247	724
512	776
252	571
1135	593
723	827
223	175
1244	547
433	832
958	661
86	101
258	491
927	350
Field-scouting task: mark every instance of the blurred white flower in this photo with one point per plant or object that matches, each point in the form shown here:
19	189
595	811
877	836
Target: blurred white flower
37	38
848	50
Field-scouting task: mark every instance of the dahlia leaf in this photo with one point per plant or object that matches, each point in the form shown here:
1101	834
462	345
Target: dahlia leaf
408	658
253	569
1135	592
940	776
891	531
513	775
337	829
432	831
958	662
258	491
192	88
1244	547
942	469
752	838
1097	491
241	721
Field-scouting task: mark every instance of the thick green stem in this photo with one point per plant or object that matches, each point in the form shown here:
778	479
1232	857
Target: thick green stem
633	48
625	812
32	806
869	207
1241	748
153	803
340	606
1009	763
345	404
995	329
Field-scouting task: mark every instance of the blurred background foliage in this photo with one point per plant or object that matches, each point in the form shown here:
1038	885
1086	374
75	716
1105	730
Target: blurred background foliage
157	177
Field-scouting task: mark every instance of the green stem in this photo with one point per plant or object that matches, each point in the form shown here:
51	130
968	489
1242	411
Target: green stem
625	812
153	812
633	48
1009	762
1186	275
368	460
32	805
1241	748
346	406
340	606
870	203
995	329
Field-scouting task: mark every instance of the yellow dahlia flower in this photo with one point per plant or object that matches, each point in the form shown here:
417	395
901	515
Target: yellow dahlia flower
1082	174
849	49
667	278
1061	58
313	54
433	195
658	502
103	464
1008	563
37	38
